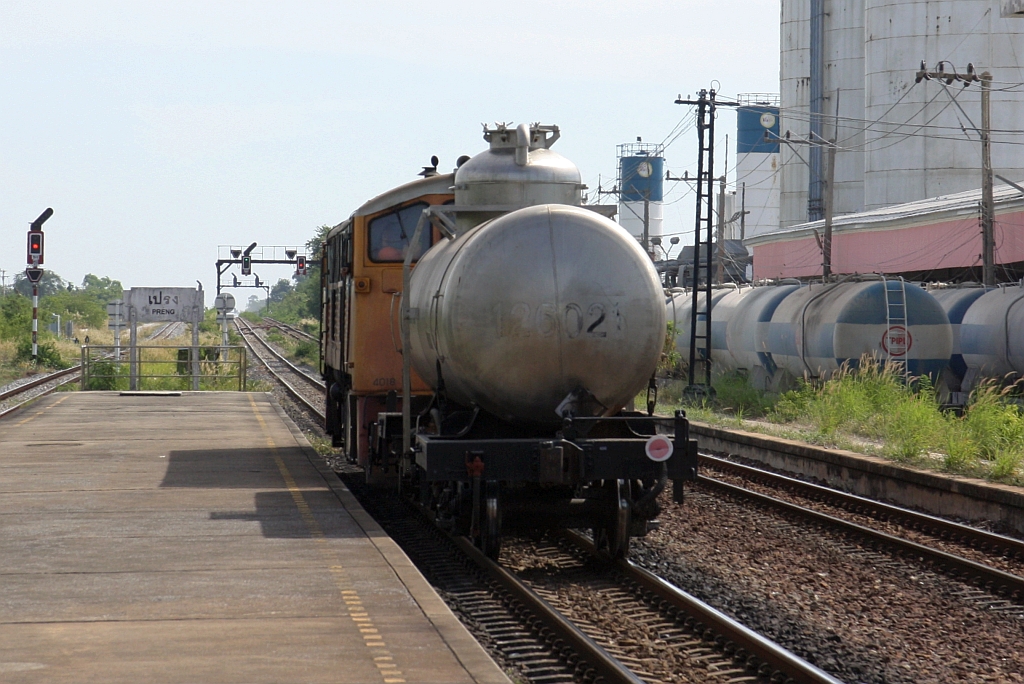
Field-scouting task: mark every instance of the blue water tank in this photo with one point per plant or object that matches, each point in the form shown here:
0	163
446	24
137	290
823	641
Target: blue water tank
642	177
751	128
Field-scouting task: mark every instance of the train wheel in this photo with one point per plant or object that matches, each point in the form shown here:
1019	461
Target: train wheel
619	520
490	519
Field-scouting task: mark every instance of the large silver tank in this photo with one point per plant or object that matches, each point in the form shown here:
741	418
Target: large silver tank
525	309
992	332
518	170
818	328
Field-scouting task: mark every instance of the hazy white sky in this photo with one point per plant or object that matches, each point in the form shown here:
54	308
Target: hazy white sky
160	130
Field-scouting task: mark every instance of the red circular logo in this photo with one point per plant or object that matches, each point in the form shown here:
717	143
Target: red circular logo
896	341
659	448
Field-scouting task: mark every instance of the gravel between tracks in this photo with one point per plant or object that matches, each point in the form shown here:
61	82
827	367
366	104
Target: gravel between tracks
1010	565
861	616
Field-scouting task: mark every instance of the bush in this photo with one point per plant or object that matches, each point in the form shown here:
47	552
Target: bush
46	354
308	351
107	376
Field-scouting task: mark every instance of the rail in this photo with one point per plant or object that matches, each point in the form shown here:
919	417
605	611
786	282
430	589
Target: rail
993	579
291	329
248	334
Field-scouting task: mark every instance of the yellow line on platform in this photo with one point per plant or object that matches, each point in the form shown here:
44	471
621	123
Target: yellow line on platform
40	411
341	579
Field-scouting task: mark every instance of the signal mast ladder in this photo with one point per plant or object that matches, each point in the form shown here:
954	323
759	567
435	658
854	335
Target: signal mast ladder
896	314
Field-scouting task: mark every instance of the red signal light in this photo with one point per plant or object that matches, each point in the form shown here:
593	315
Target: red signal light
35	247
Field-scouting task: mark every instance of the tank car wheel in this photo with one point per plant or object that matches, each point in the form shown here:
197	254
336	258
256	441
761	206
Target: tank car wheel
490	528
612	537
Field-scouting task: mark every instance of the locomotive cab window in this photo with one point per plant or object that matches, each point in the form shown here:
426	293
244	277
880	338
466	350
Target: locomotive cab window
391	234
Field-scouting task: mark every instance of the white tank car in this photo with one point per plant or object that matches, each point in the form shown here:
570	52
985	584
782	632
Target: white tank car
992	333
739	328
818	328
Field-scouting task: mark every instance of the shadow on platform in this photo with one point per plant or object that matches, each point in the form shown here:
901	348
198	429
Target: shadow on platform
279	517
236	468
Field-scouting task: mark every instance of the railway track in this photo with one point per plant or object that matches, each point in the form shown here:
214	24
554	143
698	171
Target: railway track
290	330
542	647
301	386
996	567
621	622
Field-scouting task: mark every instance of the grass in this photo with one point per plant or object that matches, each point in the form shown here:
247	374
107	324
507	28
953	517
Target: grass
873	410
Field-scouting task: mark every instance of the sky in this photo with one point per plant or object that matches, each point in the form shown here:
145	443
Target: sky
158	131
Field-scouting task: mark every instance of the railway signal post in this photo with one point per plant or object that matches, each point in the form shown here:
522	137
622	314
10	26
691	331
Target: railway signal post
34	273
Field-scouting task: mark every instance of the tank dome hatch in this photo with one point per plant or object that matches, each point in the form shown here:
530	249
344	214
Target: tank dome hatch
517	170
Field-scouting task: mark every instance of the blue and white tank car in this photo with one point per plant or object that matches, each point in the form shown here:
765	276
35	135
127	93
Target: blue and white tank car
956	335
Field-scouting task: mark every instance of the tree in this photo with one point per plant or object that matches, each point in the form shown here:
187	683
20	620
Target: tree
49	283
102	289
280	290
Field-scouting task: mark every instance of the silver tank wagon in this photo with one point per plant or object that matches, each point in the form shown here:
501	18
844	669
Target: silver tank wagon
525	309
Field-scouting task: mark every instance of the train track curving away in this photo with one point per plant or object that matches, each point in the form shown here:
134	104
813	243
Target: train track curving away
299	384
289	330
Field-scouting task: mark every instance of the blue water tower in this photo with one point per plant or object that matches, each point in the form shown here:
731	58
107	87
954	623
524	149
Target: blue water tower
641	181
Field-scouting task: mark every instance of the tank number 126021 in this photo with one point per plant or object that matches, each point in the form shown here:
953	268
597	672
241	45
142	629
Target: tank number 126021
593	320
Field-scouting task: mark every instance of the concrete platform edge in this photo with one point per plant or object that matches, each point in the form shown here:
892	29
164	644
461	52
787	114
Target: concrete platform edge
478	664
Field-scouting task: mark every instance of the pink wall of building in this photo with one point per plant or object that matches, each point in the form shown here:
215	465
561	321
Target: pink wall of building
897	249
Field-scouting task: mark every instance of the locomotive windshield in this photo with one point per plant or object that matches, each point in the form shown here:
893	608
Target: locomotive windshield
391	234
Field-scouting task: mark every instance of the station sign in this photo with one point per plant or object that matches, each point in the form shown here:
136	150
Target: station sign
165	304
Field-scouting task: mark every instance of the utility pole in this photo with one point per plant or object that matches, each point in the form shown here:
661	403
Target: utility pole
988	205
826	247
720	237
743	212
706	105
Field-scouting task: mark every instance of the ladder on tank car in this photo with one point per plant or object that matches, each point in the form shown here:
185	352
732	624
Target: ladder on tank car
896	315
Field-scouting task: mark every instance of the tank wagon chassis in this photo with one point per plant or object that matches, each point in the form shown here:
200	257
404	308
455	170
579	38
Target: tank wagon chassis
593	473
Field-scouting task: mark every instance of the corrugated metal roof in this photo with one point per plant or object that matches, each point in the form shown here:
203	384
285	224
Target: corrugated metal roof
922	212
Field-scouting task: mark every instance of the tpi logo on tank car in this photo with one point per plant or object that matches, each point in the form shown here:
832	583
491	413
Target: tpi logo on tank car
896	341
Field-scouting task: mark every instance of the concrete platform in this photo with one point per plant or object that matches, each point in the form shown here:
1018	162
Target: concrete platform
198	538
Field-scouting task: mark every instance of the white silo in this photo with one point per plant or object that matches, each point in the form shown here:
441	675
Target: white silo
842	79
898	142
794	101
911	163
